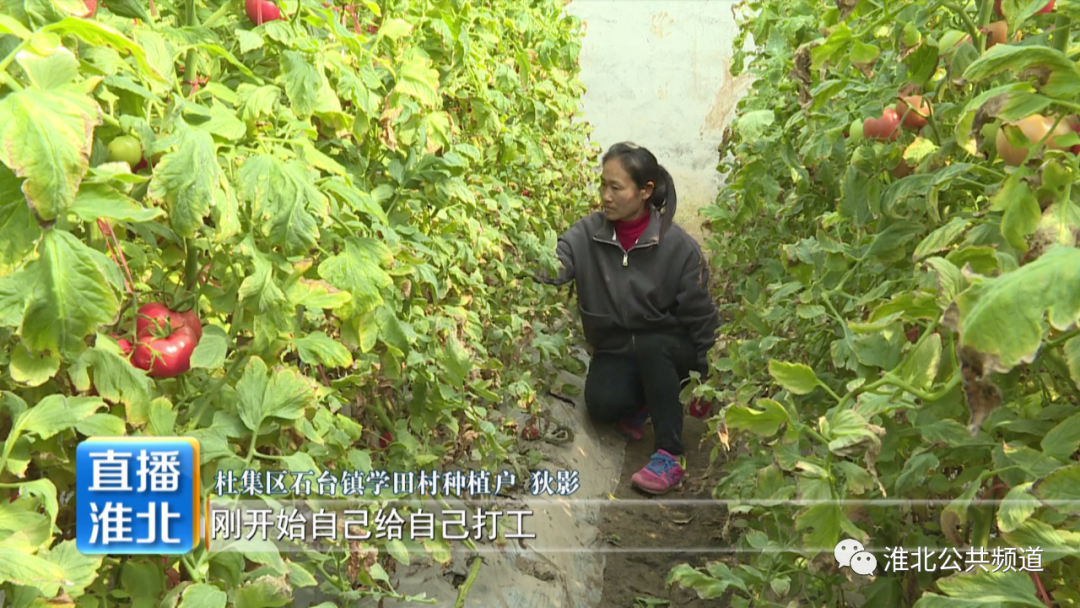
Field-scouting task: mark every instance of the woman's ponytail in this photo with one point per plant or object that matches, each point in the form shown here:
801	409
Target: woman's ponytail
668	202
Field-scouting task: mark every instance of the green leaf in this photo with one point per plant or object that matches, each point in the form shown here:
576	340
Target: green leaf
224	123
1064	439
862	53
142	579
921	63
794	377
283	395
260	287
17	222
881	348
984	589
163	418
359	202
184	180
102	201
50	71
706	586
809	311
80	571
201	595
1062	485
118	381
950	281
30	570
132	9
1022	211
765	422
919	150
45	137
32	369
55	414
319	348
1002	317
915	472
98	34
824	519
394	28
392	330
249	41
212	348
1059	223
897	234
752	125
283	196
1072	358
357	270
9	25
941	238
70	296
1056	544
266	592
1017	507
837	41
456	360
1032	462
1062	76
417	79
299	577
102	425
921	365
303	81
316	294
398	551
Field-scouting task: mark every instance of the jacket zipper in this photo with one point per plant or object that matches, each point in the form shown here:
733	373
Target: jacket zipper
626	252
625	263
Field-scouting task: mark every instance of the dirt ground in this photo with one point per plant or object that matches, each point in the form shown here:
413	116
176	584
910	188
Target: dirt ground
631	578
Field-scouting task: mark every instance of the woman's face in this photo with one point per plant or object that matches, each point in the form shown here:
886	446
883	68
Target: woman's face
622	199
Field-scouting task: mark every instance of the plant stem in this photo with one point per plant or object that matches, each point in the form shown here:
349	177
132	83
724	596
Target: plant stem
972	28
464	589
190	75
191	267
216	388
218	14
925	396
1062	26
251	448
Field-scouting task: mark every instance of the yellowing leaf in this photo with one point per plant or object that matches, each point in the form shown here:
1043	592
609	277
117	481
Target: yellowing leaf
45	137
416	78
185	179
70	296
1002	317
283	196
795	377
303	81
764	422
319	348
283	395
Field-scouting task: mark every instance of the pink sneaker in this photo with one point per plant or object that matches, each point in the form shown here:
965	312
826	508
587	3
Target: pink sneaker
633	426
663	473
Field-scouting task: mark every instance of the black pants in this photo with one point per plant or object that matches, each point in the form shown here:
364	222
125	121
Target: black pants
650	373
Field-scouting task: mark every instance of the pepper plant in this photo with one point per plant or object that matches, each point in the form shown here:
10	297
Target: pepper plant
902	362
340	196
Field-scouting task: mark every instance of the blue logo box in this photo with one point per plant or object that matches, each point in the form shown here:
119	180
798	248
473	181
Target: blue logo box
136	495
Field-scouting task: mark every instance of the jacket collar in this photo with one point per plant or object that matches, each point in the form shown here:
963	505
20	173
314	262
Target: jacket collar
650	236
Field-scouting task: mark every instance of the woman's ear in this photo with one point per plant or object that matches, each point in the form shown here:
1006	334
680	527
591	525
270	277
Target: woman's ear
648	189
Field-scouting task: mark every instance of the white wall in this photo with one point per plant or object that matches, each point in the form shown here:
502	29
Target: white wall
657	73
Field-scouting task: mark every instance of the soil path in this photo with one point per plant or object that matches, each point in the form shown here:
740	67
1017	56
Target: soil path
665	522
